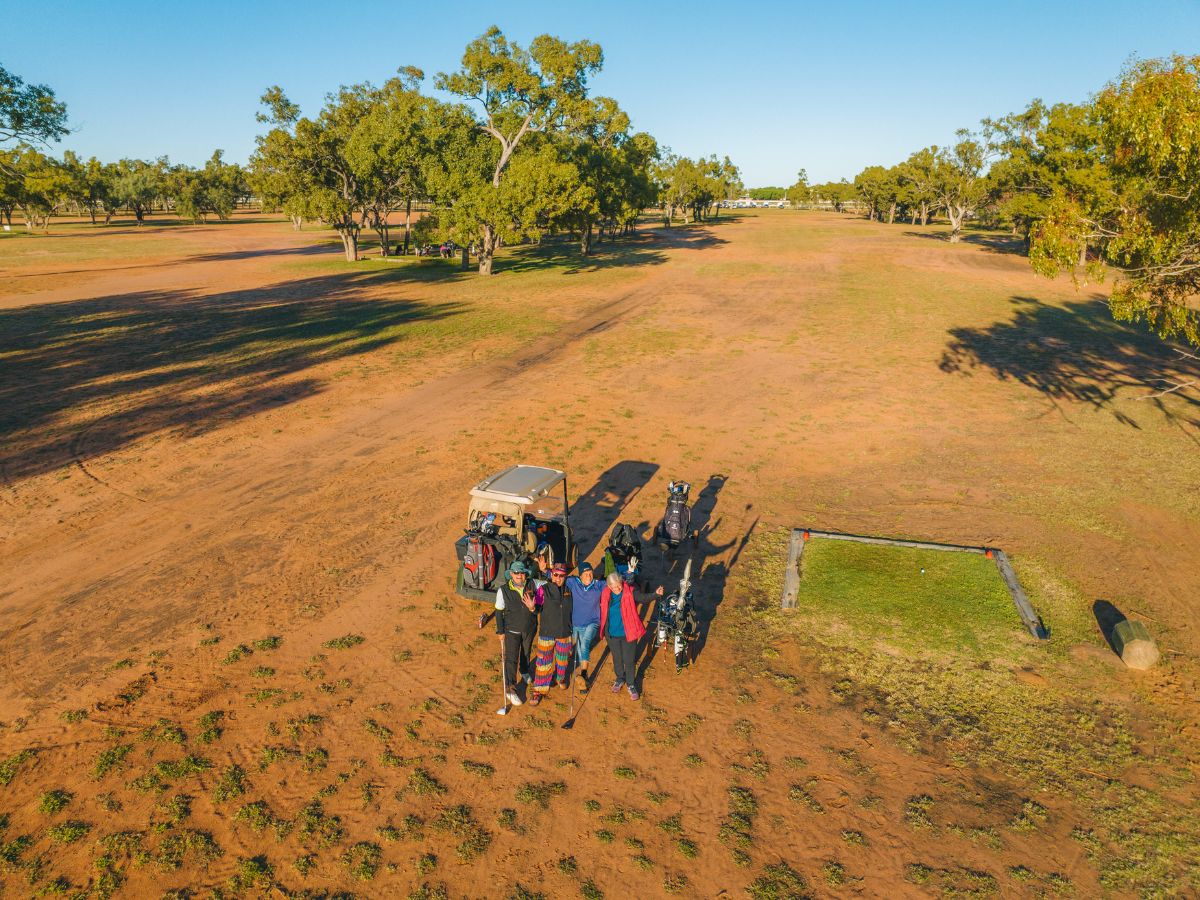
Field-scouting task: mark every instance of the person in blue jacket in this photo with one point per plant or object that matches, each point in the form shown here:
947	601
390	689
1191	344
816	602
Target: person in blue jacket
585	619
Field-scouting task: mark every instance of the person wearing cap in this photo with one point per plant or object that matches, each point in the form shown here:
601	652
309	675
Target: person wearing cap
554	633
621	623
516	624
585	618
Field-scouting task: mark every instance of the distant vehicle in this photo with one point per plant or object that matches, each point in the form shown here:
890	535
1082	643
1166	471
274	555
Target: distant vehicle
512	515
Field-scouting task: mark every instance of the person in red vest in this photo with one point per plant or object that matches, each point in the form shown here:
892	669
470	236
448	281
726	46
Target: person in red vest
621	624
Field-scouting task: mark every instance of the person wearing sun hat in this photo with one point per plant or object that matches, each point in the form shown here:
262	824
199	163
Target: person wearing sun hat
516	624
585	618
554	633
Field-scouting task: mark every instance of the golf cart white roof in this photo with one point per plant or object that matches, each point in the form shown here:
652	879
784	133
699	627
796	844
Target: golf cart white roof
523	485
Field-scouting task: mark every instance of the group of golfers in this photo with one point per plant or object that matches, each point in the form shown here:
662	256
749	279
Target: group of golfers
544	615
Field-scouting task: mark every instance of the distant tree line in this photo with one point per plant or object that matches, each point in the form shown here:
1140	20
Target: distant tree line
524	151
1110	184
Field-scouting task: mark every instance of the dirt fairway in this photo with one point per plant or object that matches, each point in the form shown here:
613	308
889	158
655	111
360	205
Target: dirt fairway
233	467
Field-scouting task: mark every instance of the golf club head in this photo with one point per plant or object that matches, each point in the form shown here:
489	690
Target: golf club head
502	711
569	724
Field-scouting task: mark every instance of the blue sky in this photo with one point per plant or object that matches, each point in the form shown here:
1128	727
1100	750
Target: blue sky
832	87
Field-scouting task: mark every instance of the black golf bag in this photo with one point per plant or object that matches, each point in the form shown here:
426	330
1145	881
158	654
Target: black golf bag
624	550
676	525
677	622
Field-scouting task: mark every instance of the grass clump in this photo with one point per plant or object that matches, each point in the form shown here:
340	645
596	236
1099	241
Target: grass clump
421	783
232	783
362	860
210	726
567	865
345	642
267	643
68	832
109	759
179	846
624	772
687	847
71	716
916	811
778	882
540	792
304	864
376	730
313	822
238	653
164	731
55	801
259	818
478	769
9	766
459	821
251	874
589	891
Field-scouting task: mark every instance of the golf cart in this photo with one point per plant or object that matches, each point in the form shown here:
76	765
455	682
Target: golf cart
514	514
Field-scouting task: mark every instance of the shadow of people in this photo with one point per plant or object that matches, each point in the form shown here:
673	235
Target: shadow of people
1108	617
708	573
595	511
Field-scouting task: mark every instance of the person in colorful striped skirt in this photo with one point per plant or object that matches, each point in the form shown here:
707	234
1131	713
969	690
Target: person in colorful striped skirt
554	634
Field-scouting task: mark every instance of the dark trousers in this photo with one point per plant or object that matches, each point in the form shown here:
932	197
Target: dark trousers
517	647
624	656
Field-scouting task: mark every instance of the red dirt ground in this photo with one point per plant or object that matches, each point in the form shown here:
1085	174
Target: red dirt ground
148	508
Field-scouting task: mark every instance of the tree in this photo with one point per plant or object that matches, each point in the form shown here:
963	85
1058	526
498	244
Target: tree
879	189
519	91
1146	224
305	162
918	183
766	193
136	186
393	148
212	190
29	112
958	184
1044	153
799	192
43	185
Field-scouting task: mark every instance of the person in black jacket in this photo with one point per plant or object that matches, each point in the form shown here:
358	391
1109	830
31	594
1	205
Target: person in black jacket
554	634
516	624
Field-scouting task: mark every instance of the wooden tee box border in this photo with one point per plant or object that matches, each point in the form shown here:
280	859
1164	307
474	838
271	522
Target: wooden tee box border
800	536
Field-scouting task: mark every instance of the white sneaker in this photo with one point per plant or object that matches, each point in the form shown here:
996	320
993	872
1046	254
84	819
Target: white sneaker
514	699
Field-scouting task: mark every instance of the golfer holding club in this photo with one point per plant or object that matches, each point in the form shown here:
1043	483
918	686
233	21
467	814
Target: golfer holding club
516	624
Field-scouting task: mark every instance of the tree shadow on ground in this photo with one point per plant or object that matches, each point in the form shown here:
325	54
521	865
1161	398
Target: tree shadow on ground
1007	244
643	248
85	378
1074	352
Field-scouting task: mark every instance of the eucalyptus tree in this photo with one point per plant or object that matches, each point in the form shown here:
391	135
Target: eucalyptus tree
42	185
29	113
958	180
520	92
800	192
1045	153
918	183
1146	224
879	189
306	165
136	185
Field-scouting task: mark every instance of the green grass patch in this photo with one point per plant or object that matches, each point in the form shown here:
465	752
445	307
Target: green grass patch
920	600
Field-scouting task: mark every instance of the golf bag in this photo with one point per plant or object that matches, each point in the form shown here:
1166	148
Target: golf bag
676	524
624	550
481	561
677	622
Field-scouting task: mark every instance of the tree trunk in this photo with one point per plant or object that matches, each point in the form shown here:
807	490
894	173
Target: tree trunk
892	214
297	222
924	214
466	260
407	223
1083	254
381	229
955	215
585	239
350	243
487	248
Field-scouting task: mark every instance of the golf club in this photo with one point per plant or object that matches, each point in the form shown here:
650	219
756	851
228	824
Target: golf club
503	710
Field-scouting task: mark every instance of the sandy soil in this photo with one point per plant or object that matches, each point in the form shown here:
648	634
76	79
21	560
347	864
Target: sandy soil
756	359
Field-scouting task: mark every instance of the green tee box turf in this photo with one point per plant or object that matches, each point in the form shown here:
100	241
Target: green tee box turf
939	596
